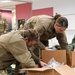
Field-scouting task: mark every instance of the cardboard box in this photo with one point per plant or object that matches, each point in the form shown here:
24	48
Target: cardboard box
71	59
62	70
59	55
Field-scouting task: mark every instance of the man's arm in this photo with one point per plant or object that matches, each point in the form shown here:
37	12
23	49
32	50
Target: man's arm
62	39
20	52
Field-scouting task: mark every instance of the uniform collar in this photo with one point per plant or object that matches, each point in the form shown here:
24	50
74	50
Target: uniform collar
51	26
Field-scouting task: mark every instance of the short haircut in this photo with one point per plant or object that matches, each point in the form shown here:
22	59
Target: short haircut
32	34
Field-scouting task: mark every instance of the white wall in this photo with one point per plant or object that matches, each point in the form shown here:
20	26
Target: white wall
60	6
63	7
70	34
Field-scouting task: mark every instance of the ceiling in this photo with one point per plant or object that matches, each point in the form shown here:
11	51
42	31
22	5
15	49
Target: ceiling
11	5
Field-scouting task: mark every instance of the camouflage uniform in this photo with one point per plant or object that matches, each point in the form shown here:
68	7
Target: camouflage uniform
3	25
13	47
45	26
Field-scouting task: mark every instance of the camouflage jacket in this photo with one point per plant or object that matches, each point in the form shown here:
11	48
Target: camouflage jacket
3	25
13	47
45	26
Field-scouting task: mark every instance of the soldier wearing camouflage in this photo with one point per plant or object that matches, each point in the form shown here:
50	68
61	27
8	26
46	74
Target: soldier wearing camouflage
3	25
49	27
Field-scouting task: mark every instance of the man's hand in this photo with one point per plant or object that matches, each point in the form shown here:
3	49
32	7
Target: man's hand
42	63
5	32
46	48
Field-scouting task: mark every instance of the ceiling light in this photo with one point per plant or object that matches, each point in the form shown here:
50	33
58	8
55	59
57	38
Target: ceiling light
6	1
